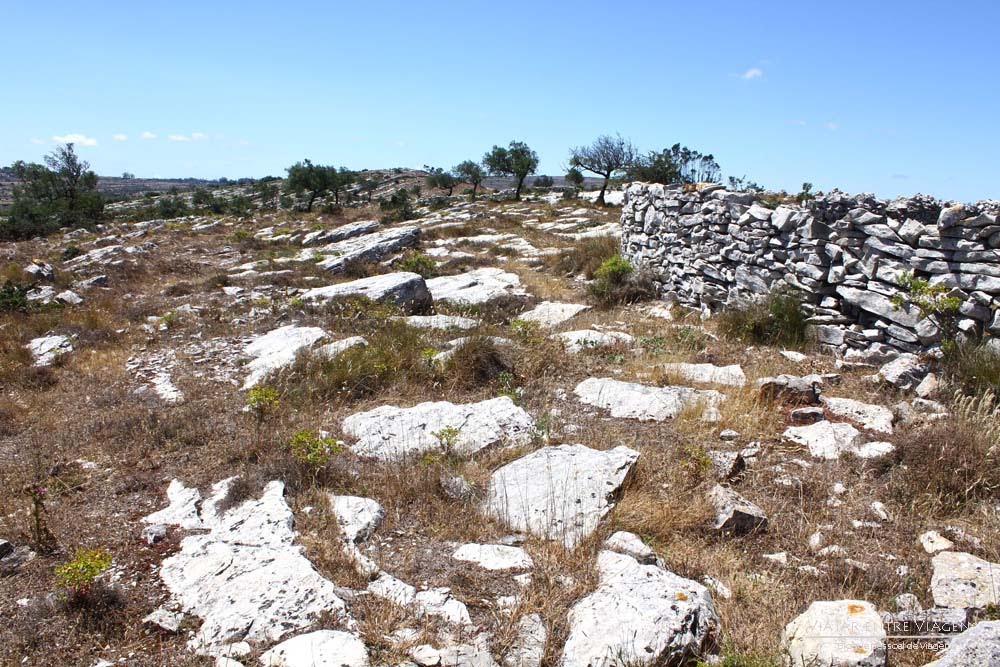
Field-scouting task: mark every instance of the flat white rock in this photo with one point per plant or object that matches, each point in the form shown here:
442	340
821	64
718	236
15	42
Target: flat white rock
933	542
443	322
709	373
586	339
278	349
367	247
475	287
47	349
182	510
638	401
245	578
837	633
337	347
528	646
964	581
979	646
404	289
829	440
494	556
323	648
391	433
552	313
876	418
560	492
639	615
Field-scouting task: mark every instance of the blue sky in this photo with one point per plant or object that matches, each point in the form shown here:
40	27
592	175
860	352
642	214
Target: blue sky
888	97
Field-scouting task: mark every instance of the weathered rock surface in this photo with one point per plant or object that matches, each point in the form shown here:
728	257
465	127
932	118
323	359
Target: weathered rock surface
791	388
829	440
357	517
979	646
643	402
391	433
367	247
904	372
584	339
560	492
708	373
323	648
964	581
475	287
872	417
244	578
278	349
552	313
528	646
494	556
838	633
443	322
407	290
632	545
47	349
640	614
734	513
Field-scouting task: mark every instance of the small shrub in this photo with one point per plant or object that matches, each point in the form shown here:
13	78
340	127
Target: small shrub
617	282
312	448
418	263
932	301
70	251
776	320
14	297
77	576
476	363
262	401
585	258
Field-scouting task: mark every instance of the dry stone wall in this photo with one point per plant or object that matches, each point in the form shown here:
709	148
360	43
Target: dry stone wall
709	247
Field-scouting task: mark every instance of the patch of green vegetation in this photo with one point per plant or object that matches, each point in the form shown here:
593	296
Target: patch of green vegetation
776	320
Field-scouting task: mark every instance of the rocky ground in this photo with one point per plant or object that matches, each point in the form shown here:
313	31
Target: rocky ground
309	439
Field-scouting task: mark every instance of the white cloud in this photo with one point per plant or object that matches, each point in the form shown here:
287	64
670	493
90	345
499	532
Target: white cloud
831	125
36	141
198	135
752	73
75	138
147	135
800	123
244	142
179	137
120	137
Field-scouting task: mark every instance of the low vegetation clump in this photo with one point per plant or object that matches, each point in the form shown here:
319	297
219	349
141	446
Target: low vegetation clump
78	575
776	320
617	282
14	297
477	363
973	366
418	263
312	448
586	257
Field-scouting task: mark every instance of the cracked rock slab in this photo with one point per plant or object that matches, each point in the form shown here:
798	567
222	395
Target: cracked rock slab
552	313
840	633
560	492
391	433
323	648
475	287
637	401
964	581
640	615
278	349
494	556
732	375
404	289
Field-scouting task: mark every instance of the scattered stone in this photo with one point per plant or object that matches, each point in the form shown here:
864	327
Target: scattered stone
40	270
278	349
632	545
636	401
729	435
367	247
781	557
735	514
904	372
357	517
552	313
47	349
323	648
640	615
475	287
880	511
456	487
439	602
979	645
963	581
928	386
404	289
828	440
727	465
795	357
391	433
806	416
494	556
933	542
588	339
840	633
708	373
338	347
560	492
872	417
791	389
154	534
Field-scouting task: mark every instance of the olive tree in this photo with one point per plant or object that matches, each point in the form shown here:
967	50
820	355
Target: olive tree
60	193
516	160
315	180
471	173
440	179
606	157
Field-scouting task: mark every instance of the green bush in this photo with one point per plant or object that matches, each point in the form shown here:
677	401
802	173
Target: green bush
775	320
617	282
13	297
418	263
398	207
77	576
312	448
